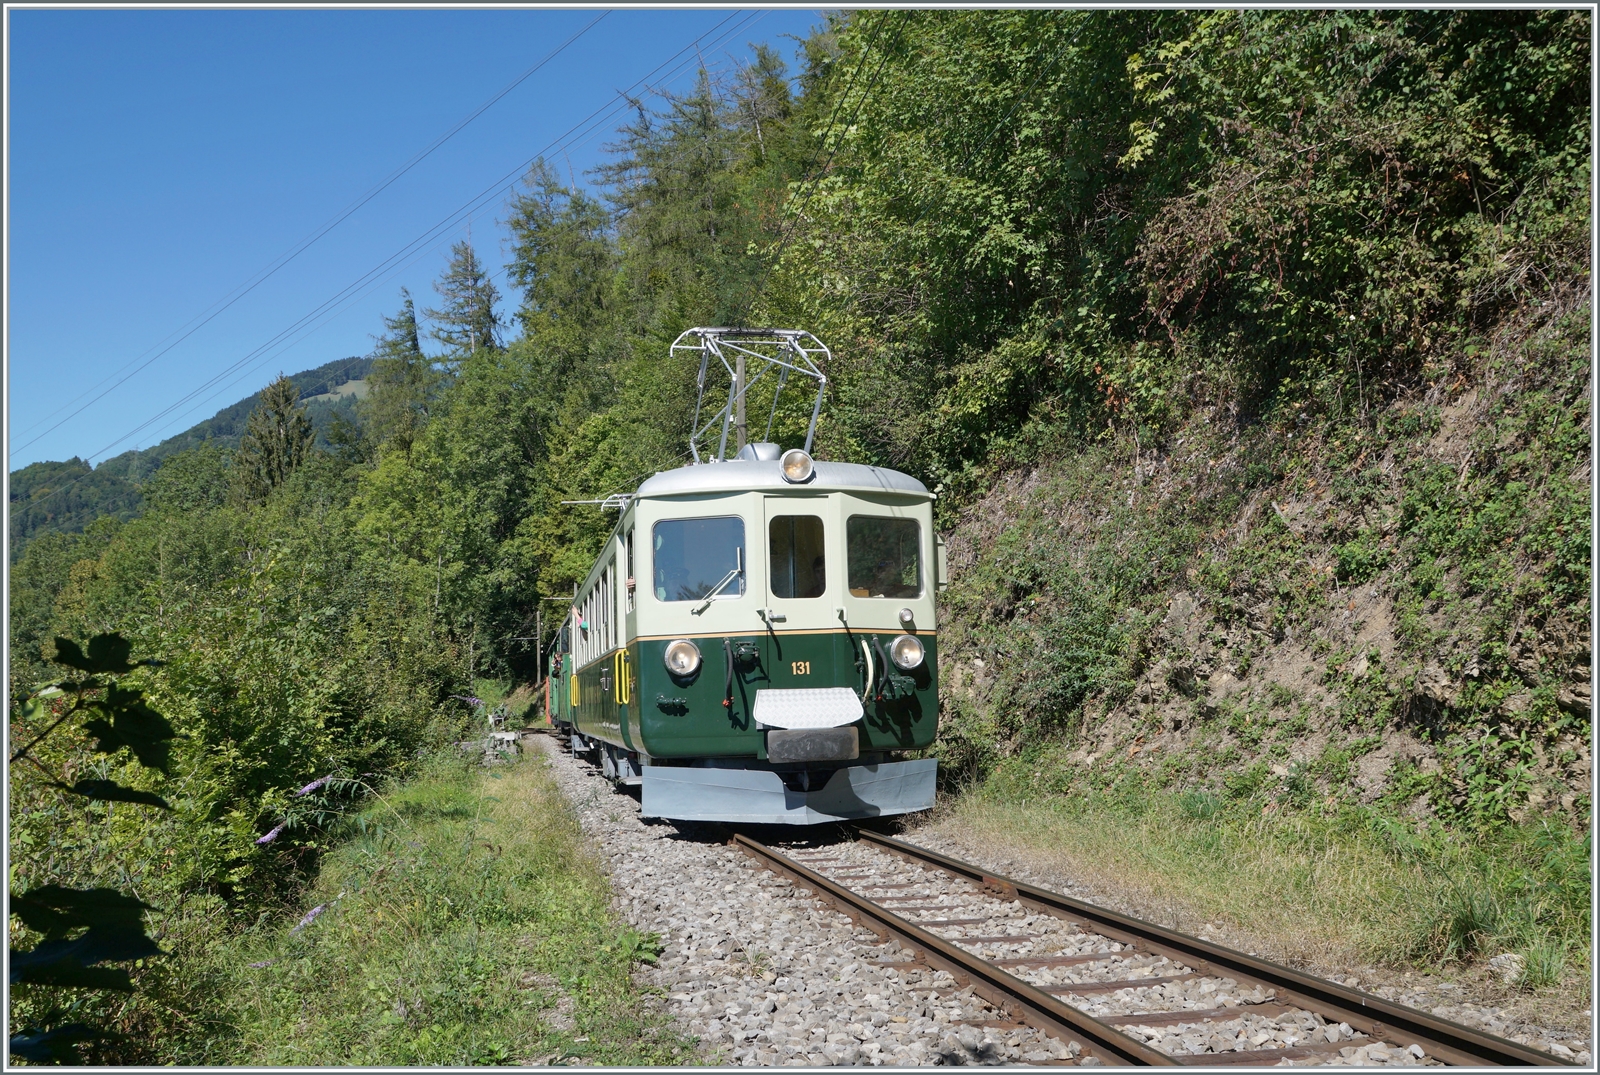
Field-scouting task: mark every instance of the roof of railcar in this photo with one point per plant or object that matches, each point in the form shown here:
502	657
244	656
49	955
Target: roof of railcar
744	476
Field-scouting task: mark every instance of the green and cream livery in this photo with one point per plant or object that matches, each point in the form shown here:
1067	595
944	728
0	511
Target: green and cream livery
757	640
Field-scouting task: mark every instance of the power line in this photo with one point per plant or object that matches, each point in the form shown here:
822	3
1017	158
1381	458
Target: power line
309	241
431	235
584	127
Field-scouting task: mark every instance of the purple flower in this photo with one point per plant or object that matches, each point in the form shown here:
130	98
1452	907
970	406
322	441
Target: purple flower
273	835
311	916
313	786
469	699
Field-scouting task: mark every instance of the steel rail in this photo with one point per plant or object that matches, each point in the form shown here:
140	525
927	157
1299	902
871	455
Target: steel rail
1378	1018
1025	1003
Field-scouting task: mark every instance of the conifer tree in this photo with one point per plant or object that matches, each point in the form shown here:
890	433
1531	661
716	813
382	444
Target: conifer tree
276	441
467	320
403	382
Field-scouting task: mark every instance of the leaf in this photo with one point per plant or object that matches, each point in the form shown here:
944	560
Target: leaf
111	791
108	655
134	725
55	911
55	1046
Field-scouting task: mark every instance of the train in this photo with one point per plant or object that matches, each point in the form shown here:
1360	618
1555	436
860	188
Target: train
757	640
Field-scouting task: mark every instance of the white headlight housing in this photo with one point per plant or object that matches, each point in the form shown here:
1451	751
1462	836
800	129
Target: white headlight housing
796	466
906	652
682	657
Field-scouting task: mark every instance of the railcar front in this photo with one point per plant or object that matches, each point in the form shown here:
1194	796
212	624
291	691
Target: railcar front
758	642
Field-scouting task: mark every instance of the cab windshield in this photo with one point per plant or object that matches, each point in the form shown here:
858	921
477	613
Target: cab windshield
883	556
693	557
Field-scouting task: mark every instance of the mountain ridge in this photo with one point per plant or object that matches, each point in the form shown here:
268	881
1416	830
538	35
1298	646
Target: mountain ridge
78	493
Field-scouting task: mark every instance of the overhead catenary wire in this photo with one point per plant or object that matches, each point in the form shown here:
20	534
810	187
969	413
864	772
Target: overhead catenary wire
312	322
359	286
307	331
721	31
227	301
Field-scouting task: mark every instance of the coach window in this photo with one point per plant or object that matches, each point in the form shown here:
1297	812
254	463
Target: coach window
795	548
883	556
629	545
693	559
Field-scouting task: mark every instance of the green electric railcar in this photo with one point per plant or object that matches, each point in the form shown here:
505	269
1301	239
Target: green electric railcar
757	642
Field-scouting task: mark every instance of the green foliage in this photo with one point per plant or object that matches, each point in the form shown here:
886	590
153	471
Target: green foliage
404	383
1212	288
467	320
63	498
66	498
276	442
111	923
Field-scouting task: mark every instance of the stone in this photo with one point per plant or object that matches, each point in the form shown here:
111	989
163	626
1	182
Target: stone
1508	966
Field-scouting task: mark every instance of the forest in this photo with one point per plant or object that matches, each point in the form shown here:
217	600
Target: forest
1252	315
51	497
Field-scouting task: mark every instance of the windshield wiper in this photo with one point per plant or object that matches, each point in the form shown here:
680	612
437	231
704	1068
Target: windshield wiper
710	595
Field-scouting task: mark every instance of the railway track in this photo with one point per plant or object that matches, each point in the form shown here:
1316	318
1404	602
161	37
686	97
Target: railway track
1108	988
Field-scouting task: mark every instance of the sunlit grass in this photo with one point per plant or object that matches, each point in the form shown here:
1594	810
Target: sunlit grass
462	923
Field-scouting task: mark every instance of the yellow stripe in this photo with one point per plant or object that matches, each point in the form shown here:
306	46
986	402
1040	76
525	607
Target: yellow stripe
785	634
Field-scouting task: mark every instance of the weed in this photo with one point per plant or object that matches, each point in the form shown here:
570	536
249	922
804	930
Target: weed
1299	786
1244	784
1543	964
1468	918
1199	805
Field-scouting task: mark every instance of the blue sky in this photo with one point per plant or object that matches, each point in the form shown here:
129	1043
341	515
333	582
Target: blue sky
161	159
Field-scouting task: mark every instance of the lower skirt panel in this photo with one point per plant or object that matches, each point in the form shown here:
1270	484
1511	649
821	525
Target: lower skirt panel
760	797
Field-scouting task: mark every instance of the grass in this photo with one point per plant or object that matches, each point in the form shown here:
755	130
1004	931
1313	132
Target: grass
1338	888
463	922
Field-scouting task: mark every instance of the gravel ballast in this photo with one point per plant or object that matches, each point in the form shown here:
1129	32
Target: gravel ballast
763	975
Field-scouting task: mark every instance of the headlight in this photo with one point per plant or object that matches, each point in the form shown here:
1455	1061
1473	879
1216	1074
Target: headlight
796	466
683	657
906	652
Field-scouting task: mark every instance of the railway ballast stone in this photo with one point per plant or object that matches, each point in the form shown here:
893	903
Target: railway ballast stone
761	973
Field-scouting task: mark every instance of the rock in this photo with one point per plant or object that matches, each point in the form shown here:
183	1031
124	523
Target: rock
1508	965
